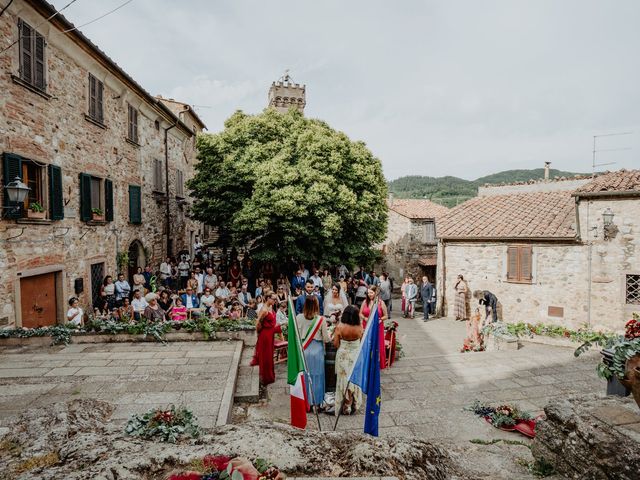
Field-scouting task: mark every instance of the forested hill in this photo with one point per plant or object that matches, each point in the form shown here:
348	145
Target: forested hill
450	191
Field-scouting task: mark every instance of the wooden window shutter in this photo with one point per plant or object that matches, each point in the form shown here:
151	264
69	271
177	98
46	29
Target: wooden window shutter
39	70
135	204
26	52
135	125
92	96
99	111
525	263
512	263
85	197
108	200
56	203
11	168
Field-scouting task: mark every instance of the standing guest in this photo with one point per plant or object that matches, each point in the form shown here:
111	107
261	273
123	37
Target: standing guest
433	302
197	247
305	272
248	272
298	280
165	302
222	291
123	289
178	311
192	283
153	312
343	271
403	291
385	290
296	294
126	312
317	280
361	292
174	283
75	313
235	272
108	293
317	334
346	338
374	279
490	302
207	300
460	305
138	280
165	272
352	286
344	286
183	272
426	291
327	282
210	280
267	327
365	312
284	281
309	290
200	277
390	304
259	303
411	292
335	303
190	299
147	278
139	304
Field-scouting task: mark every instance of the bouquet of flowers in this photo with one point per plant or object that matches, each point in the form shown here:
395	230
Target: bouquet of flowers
505	417
632	328
167	425
390	326
226	468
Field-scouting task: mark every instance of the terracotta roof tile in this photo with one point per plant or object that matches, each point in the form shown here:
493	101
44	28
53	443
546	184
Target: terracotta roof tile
521	215
620	181
416	208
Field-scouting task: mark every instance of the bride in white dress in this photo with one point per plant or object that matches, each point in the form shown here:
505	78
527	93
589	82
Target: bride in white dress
335	303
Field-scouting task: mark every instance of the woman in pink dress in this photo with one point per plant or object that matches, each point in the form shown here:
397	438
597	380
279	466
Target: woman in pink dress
365	311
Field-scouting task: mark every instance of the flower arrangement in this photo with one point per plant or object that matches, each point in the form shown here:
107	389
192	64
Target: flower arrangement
166	425
36	207
505	417
632	328
522	329
390	326
227	468
470	346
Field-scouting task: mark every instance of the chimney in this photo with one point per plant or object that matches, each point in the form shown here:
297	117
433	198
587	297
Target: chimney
546	171
390	199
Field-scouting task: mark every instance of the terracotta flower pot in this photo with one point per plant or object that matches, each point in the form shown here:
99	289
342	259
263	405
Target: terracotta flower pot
631	378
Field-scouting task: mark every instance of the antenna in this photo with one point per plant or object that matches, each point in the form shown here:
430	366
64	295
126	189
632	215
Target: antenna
595	150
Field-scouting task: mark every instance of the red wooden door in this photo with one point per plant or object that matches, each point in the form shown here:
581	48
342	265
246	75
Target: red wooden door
38	300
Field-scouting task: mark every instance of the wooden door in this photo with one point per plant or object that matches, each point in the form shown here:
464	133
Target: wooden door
38	300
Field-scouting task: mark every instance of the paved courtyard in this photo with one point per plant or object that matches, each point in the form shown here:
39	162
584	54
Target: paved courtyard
134	376
424	393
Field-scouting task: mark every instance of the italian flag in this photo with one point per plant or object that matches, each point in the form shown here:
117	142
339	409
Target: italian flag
295	373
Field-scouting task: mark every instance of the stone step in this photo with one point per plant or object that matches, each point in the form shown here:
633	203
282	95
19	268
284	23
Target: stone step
248	382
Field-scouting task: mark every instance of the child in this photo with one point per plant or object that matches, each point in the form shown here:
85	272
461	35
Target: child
252	313
75	313
236	311
218	310
281	315
179	311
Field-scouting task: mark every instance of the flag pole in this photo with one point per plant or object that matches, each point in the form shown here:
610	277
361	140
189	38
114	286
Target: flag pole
304	364
371	315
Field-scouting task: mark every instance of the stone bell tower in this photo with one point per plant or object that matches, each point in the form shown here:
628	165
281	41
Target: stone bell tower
285	94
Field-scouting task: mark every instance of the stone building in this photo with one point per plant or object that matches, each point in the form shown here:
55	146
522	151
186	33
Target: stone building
410	247
563	252
284	94
105	162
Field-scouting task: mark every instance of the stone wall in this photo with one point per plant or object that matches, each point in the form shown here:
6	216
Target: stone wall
52	129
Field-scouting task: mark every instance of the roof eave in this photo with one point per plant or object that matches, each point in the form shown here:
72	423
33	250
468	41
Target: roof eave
608	193
509	239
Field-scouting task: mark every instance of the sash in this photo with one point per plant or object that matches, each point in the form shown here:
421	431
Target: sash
311	332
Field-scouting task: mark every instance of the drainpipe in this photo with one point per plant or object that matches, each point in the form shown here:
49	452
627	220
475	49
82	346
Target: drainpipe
166	180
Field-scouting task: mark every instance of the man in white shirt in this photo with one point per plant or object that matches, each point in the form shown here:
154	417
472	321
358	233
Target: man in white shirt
305	273
183	272
123	289
139	304
200	278
165	272
197	247
316	279
244	297
222	291
210	280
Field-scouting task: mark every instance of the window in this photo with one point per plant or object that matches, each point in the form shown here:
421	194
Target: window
430	232
158	185
179	183
132	131
96	198
32	61
96	90
135	204
633	290
519	264
32	175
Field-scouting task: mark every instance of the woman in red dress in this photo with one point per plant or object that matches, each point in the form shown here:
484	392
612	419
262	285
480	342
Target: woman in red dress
365	311
267	327
235	272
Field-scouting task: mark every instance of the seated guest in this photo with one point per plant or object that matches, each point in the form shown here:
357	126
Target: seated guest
165	302
193	282
126	313
281	315
235	312
222	291
190	299
244	297
252	313
75	313
218	310
259	303
207	300
153	312
178	311
139	304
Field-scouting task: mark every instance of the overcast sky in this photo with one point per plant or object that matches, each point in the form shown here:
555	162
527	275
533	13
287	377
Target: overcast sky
448	87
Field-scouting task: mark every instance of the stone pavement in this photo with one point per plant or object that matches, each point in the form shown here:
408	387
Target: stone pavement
425	392
134	376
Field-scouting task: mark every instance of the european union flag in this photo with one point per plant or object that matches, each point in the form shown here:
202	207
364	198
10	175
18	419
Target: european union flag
366	372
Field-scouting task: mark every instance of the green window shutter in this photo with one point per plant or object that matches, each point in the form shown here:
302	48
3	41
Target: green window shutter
56	205
85	197
11	168
135	204
108	200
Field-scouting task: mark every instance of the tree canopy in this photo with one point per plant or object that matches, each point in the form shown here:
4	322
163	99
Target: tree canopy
289	186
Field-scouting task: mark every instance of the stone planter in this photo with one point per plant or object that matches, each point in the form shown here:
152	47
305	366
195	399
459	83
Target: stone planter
36	215
498	342
614	387
97	218
632	377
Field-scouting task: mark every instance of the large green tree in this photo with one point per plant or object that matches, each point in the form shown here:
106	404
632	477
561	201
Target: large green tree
285	185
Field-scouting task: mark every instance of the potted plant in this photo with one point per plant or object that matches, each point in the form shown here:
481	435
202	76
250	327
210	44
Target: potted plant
35	210
97	215
620	365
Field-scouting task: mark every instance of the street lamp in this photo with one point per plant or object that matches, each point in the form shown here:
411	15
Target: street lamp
610	230
16	193
607	216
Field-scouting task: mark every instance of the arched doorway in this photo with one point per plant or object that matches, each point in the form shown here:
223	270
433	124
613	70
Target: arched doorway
136	258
